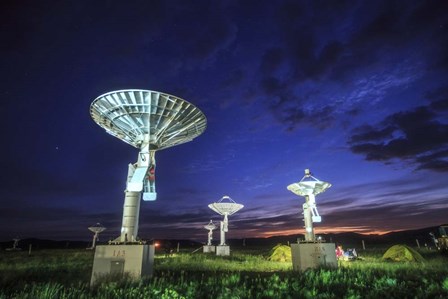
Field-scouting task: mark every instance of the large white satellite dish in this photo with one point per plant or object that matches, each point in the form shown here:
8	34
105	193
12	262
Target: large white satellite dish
150	121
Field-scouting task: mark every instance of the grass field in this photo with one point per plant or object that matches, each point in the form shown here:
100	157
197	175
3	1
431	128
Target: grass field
246	274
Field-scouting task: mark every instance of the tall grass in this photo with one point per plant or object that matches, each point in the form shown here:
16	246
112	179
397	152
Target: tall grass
209	262
65	274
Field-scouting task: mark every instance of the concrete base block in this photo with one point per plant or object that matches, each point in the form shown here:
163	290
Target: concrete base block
116	260
313	255
209	248
223	250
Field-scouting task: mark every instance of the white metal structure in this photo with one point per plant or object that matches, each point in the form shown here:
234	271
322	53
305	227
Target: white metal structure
309	187
150	121
96	229
210	227
16	243
225	208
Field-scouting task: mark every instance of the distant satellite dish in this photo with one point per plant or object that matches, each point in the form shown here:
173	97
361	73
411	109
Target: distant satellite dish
210	227
15	245
226	207
96	229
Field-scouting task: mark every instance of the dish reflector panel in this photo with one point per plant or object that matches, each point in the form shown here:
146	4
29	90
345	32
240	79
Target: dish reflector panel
226	208
210	226
98	228
140	117
304	188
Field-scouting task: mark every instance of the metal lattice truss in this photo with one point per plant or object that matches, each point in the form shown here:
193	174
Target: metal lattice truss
142	117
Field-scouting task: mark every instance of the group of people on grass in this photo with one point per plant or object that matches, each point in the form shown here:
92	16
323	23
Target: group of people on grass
350	254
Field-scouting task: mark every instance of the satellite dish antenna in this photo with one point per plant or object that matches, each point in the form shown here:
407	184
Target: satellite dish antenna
210	227
149	121
15	245
96	229
309	187
226	207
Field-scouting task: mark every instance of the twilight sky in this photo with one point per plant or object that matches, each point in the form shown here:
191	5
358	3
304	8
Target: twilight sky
357	91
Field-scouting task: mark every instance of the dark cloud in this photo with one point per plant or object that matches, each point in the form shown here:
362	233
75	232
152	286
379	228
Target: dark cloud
382	37
271	60
288	111
415	136
436	161
438	99
273	86
200	45
368	133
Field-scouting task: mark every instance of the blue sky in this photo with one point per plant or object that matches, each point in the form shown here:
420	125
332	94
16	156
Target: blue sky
354	90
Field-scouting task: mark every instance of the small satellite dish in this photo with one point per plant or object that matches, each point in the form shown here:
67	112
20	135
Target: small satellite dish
226	207
210	227
96	229
15	245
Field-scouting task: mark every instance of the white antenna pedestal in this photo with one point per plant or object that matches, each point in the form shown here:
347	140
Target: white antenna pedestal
116	260
311	253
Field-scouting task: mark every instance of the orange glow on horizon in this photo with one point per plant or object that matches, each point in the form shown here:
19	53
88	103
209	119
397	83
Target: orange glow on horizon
326	230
